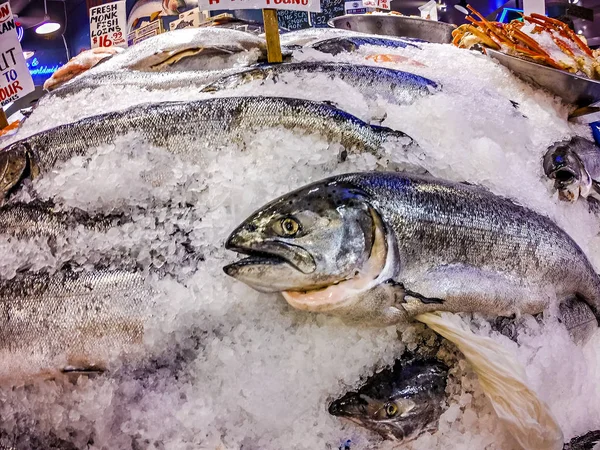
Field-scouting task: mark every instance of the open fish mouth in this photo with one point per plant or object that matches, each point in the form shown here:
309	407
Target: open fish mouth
271	254
259	258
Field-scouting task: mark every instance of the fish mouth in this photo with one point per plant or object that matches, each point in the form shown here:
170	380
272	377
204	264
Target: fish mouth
273	253
564	176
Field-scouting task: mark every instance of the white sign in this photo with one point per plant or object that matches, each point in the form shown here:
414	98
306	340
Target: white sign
355	7
107	25
381	4
534	6
429	10
299	5
15	79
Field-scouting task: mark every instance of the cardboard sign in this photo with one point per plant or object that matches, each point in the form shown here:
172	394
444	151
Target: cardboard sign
192	18
108	25
15	79
298	5
381	4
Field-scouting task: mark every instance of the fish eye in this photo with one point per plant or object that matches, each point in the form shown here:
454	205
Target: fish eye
289	227
391	409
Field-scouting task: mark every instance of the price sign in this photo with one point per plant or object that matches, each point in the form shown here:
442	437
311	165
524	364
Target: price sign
107	25
298	5
15	79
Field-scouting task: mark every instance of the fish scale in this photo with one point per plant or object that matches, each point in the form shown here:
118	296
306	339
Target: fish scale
77	319
183	128
373	82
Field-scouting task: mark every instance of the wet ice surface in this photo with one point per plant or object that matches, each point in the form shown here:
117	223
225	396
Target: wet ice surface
227	367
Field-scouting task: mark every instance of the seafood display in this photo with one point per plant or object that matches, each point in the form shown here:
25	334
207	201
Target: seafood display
121	194
537	38
384	248
575	168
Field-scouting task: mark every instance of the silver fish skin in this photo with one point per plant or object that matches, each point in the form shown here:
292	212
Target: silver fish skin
69	321
574	166
37	218
176	126
210	41
153	81
382	248
399	403
310	35
399	87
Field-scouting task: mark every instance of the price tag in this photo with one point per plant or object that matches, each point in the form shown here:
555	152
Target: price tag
107	25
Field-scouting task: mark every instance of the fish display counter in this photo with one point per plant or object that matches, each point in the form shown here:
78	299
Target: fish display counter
379	243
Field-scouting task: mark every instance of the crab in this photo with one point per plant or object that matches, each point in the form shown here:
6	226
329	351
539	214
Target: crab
538	38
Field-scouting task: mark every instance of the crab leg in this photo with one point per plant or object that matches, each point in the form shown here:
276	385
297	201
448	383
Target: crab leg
565	29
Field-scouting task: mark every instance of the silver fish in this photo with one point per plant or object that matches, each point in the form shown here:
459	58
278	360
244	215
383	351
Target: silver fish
399	403
161	52
382	248
27	220
575	168
69	321
373	82
147	80
177	125
342	44
310	35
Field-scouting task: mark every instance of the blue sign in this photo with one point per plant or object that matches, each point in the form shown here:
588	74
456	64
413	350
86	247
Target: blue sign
42	66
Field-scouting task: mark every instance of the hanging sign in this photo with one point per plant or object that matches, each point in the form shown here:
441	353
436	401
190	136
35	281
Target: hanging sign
15	79
298	5
107	25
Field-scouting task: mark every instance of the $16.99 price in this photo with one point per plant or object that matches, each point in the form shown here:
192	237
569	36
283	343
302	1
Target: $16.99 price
106	41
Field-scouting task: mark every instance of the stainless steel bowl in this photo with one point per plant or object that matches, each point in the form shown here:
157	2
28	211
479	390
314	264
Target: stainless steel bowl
571	88
412	27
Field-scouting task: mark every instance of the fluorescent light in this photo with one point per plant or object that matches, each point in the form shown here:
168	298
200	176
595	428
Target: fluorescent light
462	9
28	54
47	28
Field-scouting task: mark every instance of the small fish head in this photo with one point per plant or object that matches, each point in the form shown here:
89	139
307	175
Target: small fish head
563	166
311	238
398	403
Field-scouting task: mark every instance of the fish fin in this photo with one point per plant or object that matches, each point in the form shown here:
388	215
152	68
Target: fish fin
586	442
331	103
408	295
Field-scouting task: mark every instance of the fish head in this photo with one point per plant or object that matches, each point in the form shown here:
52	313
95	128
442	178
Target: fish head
571	179
16	163
398	403
311	238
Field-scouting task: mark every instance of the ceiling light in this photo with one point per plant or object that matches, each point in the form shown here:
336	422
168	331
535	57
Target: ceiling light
462	9
47	27
580	32
28	54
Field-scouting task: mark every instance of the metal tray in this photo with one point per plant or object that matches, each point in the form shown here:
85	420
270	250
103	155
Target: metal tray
412	27
571	88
